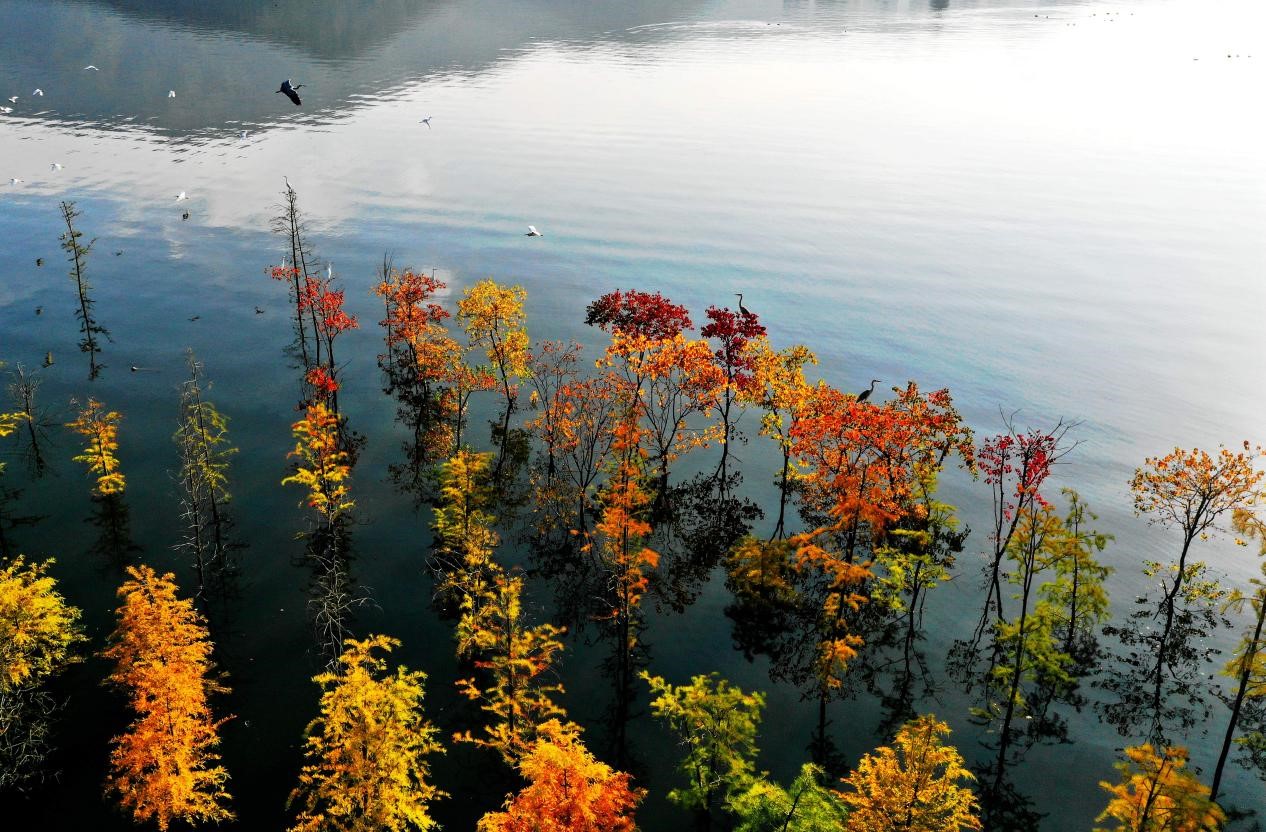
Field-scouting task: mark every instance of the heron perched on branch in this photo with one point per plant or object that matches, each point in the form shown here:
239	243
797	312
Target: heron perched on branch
865	394
742	308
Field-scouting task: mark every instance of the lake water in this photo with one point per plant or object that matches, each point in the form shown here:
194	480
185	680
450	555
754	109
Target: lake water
1055	208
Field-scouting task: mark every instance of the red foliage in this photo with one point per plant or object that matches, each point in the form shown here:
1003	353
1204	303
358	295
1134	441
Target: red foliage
733	330
1024	457
323	383
646	314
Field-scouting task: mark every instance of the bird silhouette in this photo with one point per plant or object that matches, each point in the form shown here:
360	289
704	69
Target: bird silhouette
39	310
55	166
93	68
532	232
290	91
427	122
171	93
119	253
185	215
742	308
195	317
258	311
39	261
865	394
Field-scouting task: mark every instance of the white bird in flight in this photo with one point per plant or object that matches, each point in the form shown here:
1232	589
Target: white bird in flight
13	99
38	92
171	93
15	181
181	196
55	166
93	68
426	121
532	232
6	109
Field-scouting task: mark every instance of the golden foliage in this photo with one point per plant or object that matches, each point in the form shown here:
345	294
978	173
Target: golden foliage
493	318
568	790
1158	794
101	428
37	627
164	767
366	751
912	786
323	466
1192	489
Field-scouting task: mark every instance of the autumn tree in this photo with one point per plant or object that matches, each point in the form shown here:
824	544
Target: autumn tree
100	428
1193	492
568	790
77	254
418	349
732	333
618	546
552	366
1247	667
1157	793
322	465
805	805
514	660
38	635
324	305
778	386
648	315
915	785
366	751
165	767
717	723
493	319
202	437
464	540
290	225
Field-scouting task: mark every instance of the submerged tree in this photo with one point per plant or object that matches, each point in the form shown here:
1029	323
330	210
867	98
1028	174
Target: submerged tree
38	634
568	790
732	332
77	255
1158	794
202	437
100	427
165	767
290	224
493	318
912	786
366	751
717	723
514	660
1159	687
323	466
805	805
23	391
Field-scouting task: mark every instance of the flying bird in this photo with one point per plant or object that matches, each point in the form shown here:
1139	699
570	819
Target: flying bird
171	93
6	109
865	394
15	181
427	122
291	91
13	99
532	232
742	308
55	166
180	196
39	261
93	68
38	92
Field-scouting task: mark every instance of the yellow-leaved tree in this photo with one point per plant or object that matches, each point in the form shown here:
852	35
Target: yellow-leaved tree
164	767
911	786
38	631
366	751
100	427
323	467
1158	794
567	791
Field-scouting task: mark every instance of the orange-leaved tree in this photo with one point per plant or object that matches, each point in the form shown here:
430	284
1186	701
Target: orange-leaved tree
914	785
1158	794
100	427
567	791
165	767
366	751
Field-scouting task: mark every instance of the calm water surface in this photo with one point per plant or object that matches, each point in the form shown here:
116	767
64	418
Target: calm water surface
1054	208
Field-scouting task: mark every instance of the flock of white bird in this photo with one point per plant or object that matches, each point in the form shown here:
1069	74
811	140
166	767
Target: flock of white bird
39	93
